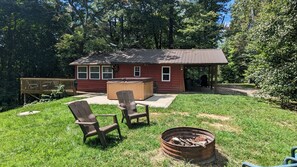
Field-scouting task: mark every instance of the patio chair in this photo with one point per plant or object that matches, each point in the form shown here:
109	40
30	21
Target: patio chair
128	107
89	124
288	161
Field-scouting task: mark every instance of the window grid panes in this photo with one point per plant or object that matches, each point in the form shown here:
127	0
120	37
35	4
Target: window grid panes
82	72
107	72
95	72
136	71
165	73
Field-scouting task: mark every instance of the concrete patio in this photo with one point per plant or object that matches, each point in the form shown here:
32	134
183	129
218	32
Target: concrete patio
157	100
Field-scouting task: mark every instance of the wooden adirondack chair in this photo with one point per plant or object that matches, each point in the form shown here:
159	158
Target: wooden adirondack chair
288	161
89	124
128	107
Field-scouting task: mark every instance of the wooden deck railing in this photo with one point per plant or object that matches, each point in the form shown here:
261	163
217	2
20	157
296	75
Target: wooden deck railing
46	85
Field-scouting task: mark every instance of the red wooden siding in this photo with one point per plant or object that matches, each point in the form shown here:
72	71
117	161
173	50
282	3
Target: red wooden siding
176	83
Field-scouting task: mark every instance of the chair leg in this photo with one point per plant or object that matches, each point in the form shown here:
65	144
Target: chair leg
129	123
147	114
102	139
84	139
148	119
293	152
122	118
120	133
137	120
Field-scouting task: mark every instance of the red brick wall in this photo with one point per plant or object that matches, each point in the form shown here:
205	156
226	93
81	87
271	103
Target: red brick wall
176	83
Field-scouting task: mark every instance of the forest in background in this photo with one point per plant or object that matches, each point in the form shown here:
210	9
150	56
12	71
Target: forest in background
261	46
39	38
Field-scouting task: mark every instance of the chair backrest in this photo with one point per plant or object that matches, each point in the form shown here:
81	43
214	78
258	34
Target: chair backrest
126	100
83	113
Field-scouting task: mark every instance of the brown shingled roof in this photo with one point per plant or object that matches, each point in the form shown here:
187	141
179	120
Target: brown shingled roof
156	56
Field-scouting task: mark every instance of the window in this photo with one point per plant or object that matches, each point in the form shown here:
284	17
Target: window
137	71
95	72
82	72
165	73
107	72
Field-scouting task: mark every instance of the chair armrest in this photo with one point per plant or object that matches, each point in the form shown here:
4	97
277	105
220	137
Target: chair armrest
105	115
146	107
247	164
293	152
142	104
121	108
290	159
115	120
85	123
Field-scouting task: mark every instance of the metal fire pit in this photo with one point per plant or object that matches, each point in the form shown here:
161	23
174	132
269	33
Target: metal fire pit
193	154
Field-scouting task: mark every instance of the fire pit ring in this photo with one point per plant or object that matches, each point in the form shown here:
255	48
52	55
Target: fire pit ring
194	153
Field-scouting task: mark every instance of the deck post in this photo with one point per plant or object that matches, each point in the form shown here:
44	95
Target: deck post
216	77
25	99
211	77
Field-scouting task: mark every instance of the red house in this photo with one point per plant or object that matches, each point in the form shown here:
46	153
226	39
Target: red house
168	68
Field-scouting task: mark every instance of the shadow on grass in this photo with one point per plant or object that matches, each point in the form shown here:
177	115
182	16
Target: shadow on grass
112	141
291	105
221	160
137	125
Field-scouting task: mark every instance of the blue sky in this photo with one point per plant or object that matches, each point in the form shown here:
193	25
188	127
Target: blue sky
228	15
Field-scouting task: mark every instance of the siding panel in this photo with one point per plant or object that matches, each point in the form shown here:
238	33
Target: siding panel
176	84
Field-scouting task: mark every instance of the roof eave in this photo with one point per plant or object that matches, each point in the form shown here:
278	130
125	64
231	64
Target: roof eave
83	64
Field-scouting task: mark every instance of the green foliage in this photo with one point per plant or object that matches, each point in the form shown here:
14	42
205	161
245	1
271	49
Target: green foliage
235	46
58	93
274	49
41	38
27	38
261	47
199	27
51	138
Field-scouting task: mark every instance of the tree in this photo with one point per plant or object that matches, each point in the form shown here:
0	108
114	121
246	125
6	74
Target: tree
27	38
244	13
274	50
199	26
39	38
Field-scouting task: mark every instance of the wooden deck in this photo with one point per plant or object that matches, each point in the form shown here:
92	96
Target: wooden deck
46	85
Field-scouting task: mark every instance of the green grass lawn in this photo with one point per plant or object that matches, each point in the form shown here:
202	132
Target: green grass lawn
246	129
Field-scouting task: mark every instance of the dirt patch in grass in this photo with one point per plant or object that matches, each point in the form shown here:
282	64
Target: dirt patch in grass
127	153
285	124
216	117
157	114
158	158
181	113
223	127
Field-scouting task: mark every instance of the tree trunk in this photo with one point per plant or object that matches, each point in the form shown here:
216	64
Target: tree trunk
110	30
170	25
160	39
156	40
122	30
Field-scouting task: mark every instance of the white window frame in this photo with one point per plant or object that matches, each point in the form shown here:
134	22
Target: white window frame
162	74
137	71
90	73
106	72
77	73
